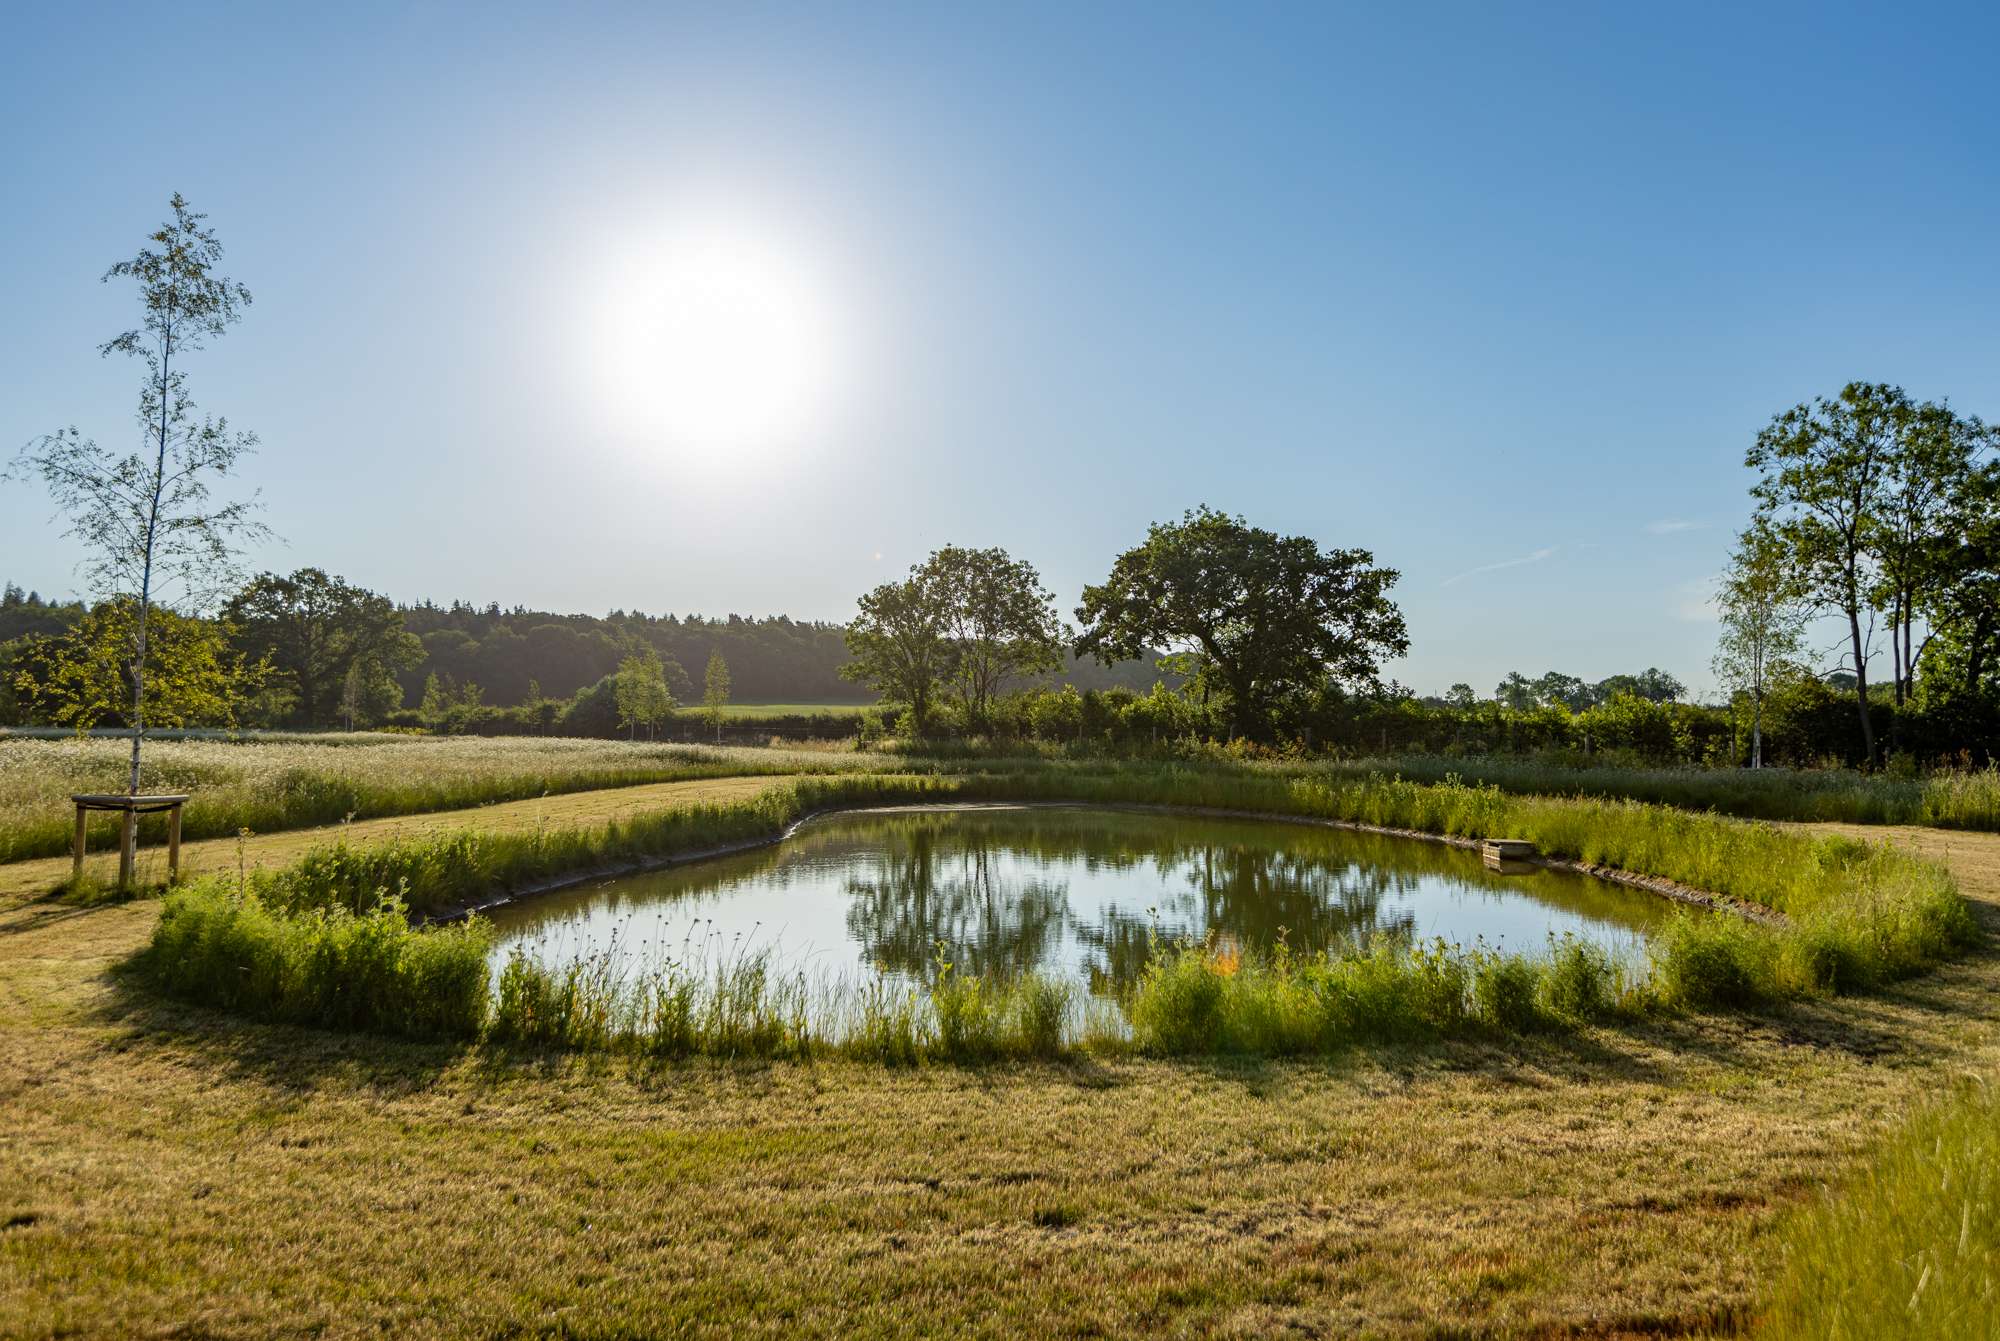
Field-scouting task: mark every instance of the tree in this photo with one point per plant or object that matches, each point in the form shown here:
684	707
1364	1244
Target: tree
435	704
1461	697
1270	615
1918	537
899	642
1965	610
147	518
1763	624
1517	691
1652	684
83	677
1000	620
643	697
320	632
715	691
1822	494
1568	691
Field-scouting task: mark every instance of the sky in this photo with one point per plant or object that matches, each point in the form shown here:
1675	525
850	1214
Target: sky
746	308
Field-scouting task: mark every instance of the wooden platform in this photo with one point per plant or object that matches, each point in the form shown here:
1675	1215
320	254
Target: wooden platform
1507	849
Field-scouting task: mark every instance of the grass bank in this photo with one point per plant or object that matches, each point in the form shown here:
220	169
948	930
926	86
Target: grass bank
1856	916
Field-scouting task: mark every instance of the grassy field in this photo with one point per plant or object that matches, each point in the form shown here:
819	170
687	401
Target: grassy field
165	1169
168	1169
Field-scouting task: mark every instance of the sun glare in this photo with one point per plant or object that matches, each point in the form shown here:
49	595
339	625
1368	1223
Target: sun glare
718	339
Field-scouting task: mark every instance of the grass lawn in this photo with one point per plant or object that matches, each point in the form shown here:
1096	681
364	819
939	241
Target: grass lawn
170	1170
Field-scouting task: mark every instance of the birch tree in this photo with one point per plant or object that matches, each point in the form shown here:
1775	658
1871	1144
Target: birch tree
147	520
1763	623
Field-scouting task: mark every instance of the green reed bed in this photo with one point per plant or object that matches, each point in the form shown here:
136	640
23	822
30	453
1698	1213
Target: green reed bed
748	1006
1908	1245
1198	999
1855	916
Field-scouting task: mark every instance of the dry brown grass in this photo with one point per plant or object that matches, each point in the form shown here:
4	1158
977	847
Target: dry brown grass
171	1171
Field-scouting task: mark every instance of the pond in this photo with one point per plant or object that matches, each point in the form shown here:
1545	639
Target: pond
1076	891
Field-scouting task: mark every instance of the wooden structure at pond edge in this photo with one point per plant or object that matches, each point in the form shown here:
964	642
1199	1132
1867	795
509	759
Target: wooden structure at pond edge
129	808
1513	856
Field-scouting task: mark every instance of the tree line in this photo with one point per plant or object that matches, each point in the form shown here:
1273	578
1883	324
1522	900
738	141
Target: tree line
1870	508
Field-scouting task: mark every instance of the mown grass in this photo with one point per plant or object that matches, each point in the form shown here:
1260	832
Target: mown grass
1857	916
165	1165
301	783
1907	1244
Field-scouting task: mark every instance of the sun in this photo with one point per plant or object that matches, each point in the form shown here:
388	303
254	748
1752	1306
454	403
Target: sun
718	338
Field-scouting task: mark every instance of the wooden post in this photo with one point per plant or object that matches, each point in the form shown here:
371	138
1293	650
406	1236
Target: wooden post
174	845
128	847
76	849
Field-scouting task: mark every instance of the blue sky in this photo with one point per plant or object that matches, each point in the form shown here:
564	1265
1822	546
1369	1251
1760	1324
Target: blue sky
1502	296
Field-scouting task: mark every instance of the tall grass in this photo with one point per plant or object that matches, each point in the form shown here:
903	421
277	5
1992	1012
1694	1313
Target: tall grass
1909	1245
298	783
1955	799
219	945
1856	916
1204	998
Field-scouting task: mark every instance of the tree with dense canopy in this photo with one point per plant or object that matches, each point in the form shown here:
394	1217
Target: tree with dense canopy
1001	622
334	643
83	676
900	642
1825	471
1265	616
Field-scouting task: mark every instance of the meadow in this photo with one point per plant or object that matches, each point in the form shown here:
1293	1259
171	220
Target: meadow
302	781
1523	1146
305	781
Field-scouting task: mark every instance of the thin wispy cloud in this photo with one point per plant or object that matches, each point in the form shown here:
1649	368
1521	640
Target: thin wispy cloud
1674	526
1536	557
1695	600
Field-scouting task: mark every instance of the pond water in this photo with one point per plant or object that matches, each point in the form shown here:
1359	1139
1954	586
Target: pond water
1072	890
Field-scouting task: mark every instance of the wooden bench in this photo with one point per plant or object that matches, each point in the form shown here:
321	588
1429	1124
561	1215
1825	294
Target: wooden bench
130	807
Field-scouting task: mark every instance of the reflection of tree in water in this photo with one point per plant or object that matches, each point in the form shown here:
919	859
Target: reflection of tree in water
995	886
1252	895
954	882
933	885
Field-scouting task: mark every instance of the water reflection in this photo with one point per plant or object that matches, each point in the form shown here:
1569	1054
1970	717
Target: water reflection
1001	890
